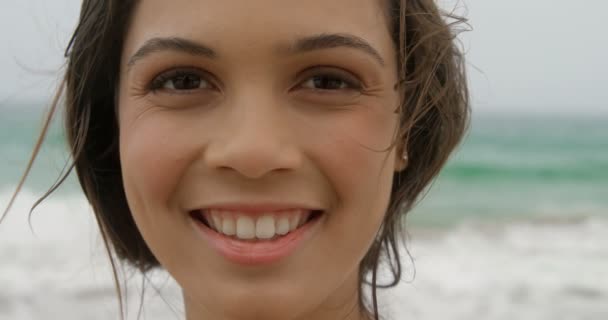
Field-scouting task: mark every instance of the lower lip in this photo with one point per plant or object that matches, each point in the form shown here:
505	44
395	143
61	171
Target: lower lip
257	252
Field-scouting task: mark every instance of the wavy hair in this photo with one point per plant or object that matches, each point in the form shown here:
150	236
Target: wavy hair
434	114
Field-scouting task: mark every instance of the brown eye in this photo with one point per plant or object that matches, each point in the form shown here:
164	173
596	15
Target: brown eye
329	79
185	82
326	82
180	80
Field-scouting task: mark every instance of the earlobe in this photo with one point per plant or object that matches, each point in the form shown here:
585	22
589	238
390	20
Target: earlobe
401	160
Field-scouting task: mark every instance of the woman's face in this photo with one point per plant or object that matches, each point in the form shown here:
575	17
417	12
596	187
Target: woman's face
237	118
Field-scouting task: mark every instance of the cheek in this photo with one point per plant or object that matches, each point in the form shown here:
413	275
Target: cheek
362	178
361	172
357	155
154	154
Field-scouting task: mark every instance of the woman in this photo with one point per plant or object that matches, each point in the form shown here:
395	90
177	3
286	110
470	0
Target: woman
263	152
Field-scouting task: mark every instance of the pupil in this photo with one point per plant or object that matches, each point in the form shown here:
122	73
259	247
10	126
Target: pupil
327	82
187	82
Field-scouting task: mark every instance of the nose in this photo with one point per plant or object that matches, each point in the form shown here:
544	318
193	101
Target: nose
254	141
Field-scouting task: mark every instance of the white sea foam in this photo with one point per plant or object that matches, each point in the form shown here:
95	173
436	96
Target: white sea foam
531	270
519	271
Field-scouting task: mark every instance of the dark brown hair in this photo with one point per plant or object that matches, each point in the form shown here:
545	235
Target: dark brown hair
434	114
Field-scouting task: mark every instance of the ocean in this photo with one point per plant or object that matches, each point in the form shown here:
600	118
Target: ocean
515	226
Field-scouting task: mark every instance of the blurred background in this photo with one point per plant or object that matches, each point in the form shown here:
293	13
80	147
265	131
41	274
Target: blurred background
516	226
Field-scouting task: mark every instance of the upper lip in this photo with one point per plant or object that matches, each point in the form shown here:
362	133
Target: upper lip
261	207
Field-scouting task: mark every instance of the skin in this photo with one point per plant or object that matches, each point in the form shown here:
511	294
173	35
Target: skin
258	129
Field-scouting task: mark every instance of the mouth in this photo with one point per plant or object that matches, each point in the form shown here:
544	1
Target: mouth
261	227
251	238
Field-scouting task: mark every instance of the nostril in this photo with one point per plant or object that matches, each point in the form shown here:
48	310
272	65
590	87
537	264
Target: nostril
253	156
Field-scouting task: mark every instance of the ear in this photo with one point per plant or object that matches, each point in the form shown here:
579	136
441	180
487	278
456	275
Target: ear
401	160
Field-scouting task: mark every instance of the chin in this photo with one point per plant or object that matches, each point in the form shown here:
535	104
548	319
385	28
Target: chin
261	301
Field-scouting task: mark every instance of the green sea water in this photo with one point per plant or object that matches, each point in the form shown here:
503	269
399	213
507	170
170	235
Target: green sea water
509	167
513	167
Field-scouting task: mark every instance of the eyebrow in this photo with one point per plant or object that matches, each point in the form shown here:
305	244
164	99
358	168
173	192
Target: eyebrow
306	44
335	40
171	44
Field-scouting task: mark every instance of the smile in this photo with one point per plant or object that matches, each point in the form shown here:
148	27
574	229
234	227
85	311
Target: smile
261	226
254	238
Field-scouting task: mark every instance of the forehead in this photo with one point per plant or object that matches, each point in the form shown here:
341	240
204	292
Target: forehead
225	23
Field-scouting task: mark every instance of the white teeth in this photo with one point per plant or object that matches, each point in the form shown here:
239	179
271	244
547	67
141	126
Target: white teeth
266	226
282	226
245	227
217	221
228	227
294	220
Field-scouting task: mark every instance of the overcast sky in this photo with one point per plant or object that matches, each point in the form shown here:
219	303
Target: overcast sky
523	55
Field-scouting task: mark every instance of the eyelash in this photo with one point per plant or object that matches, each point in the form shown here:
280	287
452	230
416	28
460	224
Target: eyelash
352	83
160	80
334	73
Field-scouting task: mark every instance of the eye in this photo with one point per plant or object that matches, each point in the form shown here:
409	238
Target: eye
325	82
331	81
180	80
